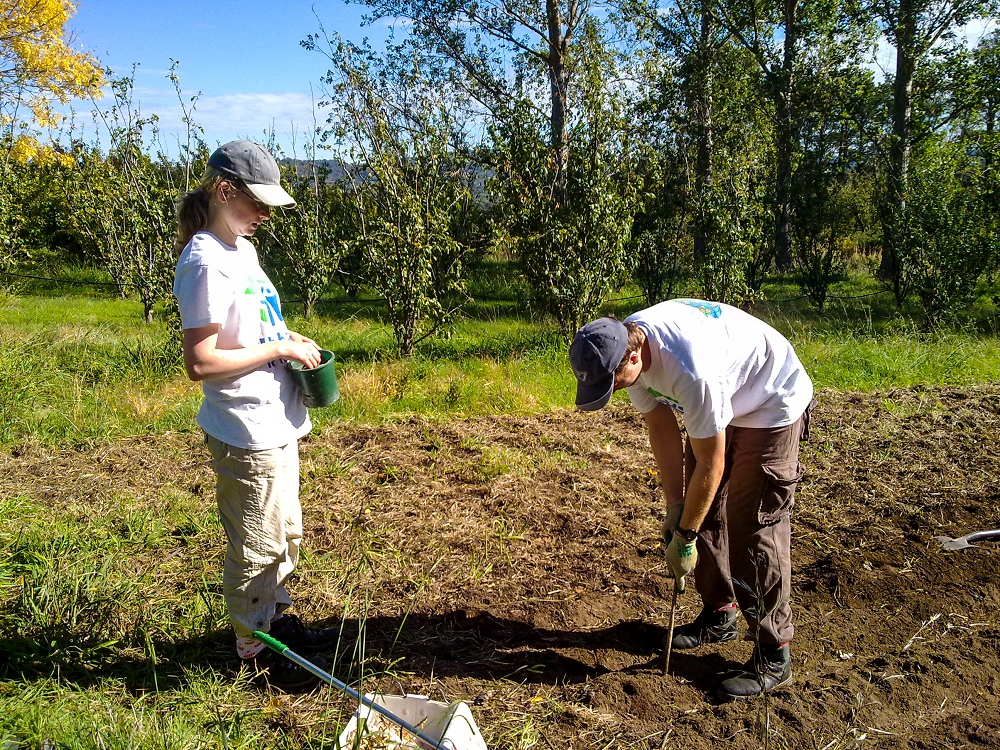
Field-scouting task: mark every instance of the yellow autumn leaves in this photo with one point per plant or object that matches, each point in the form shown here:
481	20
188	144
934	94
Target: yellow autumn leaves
38	65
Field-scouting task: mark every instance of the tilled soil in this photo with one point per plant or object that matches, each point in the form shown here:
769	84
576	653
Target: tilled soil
515	563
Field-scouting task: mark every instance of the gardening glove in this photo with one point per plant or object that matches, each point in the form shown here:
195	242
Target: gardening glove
682	556
672	521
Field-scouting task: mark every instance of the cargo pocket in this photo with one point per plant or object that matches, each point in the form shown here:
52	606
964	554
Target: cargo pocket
779	491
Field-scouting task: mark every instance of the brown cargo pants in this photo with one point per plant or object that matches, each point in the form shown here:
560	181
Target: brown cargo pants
744	545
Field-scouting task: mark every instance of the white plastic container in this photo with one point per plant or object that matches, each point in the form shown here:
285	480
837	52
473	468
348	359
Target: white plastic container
451	725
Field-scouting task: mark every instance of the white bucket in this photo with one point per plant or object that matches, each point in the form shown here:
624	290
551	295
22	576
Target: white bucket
451	725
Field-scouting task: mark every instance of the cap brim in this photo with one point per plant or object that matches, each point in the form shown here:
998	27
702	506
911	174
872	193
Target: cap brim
594	397
271	195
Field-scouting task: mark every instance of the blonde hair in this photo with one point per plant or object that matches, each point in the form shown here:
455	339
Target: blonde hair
192	207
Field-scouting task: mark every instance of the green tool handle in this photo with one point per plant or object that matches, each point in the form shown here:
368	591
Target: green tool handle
281	648
272	643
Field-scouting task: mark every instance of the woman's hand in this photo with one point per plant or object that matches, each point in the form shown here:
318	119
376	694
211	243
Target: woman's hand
302	349
204	361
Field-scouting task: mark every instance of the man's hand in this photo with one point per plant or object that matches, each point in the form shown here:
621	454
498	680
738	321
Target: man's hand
682	557
672	521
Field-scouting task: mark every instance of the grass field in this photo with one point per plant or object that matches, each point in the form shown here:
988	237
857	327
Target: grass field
78	365
113	627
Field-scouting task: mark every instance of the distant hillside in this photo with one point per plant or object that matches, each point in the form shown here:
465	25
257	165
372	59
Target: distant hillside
336	167
338	173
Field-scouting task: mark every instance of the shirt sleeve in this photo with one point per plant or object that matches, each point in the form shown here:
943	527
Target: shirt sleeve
641	399
204	295
706	408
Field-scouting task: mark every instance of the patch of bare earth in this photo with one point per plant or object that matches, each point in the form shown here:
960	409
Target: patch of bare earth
515	563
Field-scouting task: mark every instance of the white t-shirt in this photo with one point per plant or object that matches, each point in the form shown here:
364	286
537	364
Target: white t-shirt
717	365
216	283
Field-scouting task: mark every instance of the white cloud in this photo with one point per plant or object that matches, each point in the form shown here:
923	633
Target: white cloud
884	63
974	31
252	114
224	117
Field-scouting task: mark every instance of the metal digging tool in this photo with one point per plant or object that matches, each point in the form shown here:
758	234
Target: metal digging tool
438	726
966	541
678	589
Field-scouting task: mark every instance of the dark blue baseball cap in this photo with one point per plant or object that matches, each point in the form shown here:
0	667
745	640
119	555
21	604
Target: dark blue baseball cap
596	352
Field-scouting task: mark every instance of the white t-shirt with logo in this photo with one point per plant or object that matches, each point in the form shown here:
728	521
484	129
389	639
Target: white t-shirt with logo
717	365
216	283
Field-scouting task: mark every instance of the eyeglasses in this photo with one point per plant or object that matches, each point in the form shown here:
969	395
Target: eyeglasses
262	207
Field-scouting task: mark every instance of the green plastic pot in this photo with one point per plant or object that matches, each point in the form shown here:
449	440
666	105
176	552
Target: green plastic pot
318	384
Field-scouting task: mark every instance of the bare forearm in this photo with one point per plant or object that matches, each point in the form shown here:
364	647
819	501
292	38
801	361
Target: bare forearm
700	494
231	363
703	484
668	451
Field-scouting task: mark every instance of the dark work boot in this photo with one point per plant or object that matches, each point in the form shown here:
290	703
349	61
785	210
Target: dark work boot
711	626
769	668
291	631
277	671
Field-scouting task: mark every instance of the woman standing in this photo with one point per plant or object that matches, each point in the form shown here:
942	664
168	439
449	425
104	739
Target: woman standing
237	344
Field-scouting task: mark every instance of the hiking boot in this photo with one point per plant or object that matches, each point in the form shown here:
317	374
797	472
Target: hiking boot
277	671
291	631
769	669
711	626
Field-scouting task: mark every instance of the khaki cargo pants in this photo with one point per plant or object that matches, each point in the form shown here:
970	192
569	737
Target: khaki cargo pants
744	545
258	497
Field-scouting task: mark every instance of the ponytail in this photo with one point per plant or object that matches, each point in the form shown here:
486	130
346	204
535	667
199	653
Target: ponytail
192	207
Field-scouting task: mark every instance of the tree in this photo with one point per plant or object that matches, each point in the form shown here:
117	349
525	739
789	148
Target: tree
703	107
523	70
125	202
778	35
35	210
480	40
407	180
831	205
686	33
574	248
914	28
38	63
309	239
979	103
949	234
661	225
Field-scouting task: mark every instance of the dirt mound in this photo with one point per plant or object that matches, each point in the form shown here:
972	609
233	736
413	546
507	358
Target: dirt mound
516	563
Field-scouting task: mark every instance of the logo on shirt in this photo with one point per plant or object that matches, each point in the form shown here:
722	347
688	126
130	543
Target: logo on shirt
666	400
270	313
708	309
270	305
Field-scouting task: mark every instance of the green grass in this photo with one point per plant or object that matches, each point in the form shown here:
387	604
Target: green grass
97	662
81	366
114	634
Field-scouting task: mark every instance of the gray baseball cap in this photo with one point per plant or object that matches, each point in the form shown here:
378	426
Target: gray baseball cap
595	354
255	168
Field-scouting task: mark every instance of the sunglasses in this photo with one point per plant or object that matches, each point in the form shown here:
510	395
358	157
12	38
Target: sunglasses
262	207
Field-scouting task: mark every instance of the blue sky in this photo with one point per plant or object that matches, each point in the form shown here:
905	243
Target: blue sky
244	58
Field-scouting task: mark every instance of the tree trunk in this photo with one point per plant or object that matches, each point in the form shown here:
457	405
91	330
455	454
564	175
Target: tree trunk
703	109
988	159
900	145
785	137
559	86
